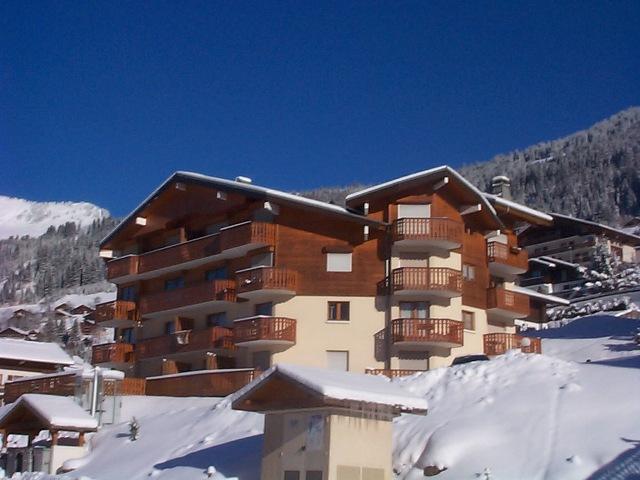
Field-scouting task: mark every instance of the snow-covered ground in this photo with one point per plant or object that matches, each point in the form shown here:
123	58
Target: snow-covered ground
23	217
515	417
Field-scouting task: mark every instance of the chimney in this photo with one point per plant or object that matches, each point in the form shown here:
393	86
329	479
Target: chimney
501	186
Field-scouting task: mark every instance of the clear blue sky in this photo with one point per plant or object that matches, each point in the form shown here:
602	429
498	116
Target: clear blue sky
101	101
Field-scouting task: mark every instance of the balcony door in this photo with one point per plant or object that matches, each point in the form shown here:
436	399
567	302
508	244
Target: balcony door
414	309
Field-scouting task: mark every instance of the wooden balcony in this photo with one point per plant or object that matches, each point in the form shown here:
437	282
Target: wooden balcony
54	384
266	283
415	234
232	241
122	268
506	305
201	383
118	314
113	355
427	332
499	343
265	333
191	298
506	260
391	372
186	341
419	282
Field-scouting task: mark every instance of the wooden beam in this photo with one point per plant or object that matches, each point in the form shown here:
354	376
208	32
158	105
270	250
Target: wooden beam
142	221
441	183
467	209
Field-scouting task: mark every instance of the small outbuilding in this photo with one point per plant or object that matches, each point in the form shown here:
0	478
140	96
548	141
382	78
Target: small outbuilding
32	414
326	425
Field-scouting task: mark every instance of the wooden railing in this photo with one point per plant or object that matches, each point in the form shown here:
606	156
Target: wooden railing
112	353
116	310
264	328
427	229
499	343
504	299
186	341
216	290
427	278
203	383
431	330
180	253
268	278
391	372
60	384
247	233
508	255
131	386
123	266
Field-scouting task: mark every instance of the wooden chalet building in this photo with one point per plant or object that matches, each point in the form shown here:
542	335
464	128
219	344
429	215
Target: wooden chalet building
213	273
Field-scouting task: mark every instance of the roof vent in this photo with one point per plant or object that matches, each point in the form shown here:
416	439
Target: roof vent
501	186
241	179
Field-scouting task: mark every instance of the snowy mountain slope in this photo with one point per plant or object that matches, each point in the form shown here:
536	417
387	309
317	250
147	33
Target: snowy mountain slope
517	416
23	217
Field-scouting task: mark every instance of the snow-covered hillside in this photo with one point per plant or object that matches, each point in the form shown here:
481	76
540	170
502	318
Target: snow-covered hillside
515	417
23	217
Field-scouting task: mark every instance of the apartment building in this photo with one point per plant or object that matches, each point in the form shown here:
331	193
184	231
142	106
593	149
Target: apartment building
220	274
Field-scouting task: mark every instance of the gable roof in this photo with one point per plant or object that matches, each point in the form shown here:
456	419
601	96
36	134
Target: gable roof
251	191
50	411
601	228
28	351
333	388
526	213
429	175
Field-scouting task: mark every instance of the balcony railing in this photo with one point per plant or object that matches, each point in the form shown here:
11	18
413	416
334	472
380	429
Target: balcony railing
247	233
430	331
56	384
250	234
266	278
113	353
507	259
265	329
214	291
391	372
499	343
436	280
201	383
186	341
443	232
507	303
117	310
123	266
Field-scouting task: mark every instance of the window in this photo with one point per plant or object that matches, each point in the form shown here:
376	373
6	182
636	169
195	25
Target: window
469	320
127	335
216	274
468	272
338	262
218	319
414	210
291	475
313	475
338	360
169	328
128	293
264	309
338	311
173	283
262	260
414	309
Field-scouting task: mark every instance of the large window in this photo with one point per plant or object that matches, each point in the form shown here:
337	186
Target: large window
127	335
219	273
173	283
338	262
262	260
128	293
338	311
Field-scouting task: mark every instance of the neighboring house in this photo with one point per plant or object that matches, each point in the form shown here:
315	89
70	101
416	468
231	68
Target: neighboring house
575	240
15	332
552	275
81	310
22	358
213	273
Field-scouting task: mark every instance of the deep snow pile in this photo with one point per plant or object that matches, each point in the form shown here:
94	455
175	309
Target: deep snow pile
517	416
23	217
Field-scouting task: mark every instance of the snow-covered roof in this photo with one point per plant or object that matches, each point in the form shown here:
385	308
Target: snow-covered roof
424	175
54	411
249	189
200	372
630	237
16	330
519	208
540	296
556	261
24	350
342	386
